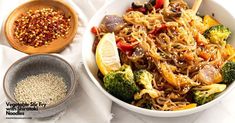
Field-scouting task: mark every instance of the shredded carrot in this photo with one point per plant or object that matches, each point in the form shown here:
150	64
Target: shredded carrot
205	55
188	56
200	39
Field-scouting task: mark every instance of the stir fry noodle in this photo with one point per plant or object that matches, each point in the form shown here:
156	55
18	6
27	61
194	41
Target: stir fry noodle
175	57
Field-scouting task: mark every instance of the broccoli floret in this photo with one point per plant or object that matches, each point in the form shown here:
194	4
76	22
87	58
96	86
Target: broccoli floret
145	78
204	94
218	34
121	83
228	72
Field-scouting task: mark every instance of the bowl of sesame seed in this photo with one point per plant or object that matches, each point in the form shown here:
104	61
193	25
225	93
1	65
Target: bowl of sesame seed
44	82
41	26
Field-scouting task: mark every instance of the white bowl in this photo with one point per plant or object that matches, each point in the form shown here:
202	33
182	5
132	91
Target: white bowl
118	7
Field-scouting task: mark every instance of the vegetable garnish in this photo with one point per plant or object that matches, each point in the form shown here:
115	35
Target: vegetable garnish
94	30
206	93
107	56
228	72
218	34
121	84
125	47
208	21
159	4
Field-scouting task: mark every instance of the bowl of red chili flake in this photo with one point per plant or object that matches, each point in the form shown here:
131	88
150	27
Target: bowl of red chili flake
41	26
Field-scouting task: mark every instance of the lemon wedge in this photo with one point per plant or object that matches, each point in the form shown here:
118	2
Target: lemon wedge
107	57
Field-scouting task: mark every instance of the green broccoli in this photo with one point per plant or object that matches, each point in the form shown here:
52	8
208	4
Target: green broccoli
145	78
228	72
206	93
121	83
217	34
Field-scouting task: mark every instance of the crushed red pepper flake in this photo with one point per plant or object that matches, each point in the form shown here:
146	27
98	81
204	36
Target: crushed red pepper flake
40	27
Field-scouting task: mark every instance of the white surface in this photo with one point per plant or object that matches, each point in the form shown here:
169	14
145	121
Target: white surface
223	112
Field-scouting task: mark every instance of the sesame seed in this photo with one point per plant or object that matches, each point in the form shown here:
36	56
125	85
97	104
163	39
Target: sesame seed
47	88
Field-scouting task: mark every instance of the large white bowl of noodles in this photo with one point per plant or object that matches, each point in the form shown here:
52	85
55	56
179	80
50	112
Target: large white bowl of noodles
118	7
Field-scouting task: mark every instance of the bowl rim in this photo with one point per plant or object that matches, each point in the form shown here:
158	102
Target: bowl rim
69	92
24	48
140	110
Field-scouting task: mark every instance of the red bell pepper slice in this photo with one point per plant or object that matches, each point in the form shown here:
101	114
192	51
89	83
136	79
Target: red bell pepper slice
157	30
124	47
159	4
94	30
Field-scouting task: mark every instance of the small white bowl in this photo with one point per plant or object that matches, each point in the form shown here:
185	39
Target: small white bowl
118	7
